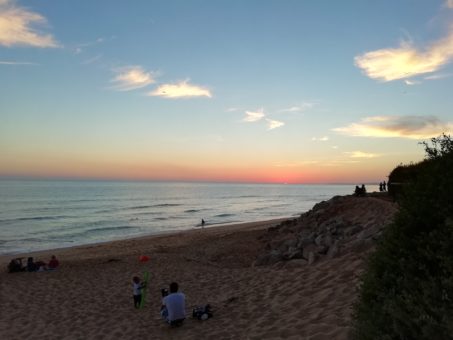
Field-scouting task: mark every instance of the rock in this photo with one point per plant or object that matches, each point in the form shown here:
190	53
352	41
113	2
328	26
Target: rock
308	249
367	233
333	250
294	253
289	243
360	246
318	240
328	240
352	230
311	257
269	258
296	263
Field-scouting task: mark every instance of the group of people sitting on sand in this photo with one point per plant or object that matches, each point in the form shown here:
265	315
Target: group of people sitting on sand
360	191
16	265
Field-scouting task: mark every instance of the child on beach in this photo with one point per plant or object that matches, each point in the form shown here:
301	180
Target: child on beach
137	287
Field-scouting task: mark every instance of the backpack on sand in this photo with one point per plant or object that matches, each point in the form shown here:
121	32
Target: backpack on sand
202	312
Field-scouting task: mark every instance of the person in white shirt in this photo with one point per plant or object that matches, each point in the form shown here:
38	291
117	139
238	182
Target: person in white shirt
173	308
137	287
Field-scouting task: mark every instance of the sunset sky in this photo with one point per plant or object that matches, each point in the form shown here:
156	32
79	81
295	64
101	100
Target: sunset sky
281	91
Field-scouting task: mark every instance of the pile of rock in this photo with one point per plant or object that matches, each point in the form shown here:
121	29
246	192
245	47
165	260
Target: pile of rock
344	223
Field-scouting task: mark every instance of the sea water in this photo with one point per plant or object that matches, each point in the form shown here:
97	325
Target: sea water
38	215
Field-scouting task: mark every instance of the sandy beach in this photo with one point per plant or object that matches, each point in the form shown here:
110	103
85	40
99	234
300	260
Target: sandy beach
90	295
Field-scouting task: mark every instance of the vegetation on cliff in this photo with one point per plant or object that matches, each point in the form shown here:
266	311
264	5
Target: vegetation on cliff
407	290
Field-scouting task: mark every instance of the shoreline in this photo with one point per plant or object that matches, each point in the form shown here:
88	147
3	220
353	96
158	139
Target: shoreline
233	226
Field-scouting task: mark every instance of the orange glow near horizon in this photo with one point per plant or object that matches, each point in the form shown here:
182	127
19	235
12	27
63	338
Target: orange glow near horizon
308	174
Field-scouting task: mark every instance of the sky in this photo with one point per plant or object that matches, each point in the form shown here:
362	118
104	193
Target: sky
267	91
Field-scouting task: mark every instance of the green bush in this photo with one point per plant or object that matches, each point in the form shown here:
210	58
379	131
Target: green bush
407	290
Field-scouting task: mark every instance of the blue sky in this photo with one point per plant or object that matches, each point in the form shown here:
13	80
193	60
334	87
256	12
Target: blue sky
254	91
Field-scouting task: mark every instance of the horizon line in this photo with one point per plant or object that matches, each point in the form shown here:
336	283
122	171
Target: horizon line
99	179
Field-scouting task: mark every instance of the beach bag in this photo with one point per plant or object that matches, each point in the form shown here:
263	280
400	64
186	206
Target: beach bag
202	312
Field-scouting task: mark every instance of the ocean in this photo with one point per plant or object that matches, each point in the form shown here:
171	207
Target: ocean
45	214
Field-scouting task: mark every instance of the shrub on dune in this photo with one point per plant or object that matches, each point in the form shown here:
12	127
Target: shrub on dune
407	290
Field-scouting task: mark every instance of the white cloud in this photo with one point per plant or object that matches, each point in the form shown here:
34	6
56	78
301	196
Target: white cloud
16	63
253	116
273	124
415	127
298	108
131	78
232	109
406	60
320	139
360	154
16	27
180	90
412	82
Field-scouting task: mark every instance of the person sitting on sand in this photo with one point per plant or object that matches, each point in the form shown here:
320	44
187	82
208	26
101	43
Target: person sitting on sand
31	265
137	287
16	265
363	190
53	263
173	306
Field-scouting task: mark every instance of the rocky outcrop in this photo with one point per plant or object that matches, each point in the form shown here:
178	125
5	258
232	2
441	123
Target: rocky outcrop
331	228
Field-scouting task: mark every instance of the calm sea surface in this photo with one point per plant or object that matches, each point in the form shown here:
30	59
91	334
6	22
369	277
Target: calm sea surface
38	215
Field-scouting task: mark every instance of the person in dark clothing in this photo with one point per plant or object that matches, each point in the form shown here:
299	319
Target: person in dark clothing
31	266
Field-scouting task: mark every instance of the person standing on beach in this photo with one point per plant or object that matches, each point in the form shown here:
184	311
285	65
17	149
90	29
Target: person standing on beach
137	287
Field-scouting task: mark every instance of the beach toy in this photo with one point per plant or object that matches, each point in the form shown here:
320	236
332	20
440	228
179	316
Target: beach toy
145	288
143	259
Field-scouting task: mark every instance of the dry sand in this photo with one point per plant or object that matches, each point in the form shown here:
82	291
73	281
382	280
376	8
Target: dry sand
90	295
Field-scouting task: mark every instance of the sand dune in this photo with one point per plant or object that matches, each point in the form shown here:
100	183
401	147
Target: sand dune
90	295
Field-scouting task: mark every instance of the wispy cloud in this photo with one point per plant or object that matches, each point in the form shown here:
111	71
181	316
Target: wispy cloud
232	109
273	124
412	82
16	27
92	60
254	116
131	78
81	47
415	127
439	76
298	108
296	164
361	154
320	139
449	3
180	90
17	63
406	60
